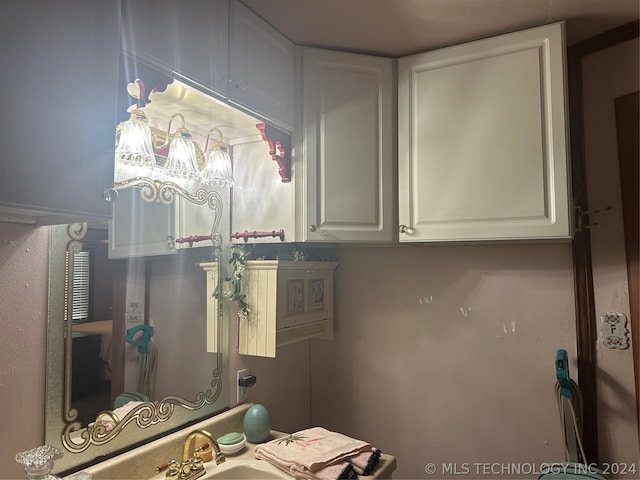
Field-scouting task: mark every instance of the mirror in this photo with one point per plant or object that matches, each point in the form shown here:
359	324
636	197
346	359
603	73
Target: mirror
85	375
85	414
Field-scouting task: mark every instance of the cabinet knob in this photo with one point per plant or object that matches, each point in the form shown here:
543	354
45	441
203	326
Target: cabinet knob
405	229
312	228
110	194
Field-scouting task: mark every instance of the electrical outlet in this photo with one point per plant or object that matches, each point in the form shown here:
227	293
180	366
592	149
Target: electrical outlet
243	392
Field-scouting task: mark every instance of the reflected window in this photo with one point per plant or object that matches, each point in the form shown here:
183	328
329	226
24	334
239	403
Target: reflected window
80	290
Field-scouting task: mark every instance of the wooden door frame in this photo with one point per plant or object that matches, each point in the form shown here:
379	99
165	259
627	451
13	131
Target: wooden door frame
586	326
627	132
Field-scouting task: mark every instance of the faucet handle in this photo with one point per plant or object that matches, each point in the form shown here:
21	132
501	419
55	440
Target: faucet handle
174	471
220	458
196	464
204	452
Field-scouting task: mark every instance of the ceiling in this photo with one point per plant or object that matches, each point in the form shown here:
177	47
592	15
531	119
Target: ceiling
401	27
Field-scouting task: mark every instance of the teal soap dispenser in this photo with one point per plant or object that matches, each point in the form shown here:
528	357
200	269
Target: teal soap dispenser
257	424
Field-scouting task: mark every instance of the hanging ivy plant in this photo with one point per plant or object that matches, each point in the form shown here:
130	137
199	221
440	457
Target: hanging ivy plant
233	293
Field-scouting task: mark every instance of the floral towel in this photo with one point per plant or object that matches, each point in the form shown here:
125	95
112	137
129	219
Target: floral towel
317	453
335	471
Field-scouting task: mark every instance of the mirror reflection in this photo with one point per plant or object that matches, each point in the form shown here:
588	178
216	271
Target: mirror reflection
136	345
92	327
105	390
164	347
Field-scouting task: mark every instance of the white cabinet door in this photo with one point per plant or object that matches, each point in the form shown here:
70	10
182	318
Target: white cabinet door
261	68
139	228
346	175
188	39
482	135
59	79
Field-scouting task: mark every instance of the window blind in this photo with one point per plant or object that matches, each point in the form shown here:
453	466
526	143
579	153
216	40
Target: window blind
80	287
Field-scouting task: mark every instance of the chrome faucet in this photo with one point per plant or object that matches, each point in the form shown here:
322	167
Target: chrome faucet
188	450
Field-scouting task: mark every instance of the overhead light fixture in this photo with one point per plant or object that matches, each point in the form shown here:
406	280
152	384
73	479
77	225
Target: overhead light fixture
181	160
133	141
164	164
217	171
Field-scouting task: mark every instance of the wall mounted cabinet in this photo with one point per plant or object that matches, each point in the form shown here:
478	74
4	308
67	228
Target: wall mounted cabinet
481	143
139	228
220	46
59	82
289	302
188	39
482	132
345	175
261	68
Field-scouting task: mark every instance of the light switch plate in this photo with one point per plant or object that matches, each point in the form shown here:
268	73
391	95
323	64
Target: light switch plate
243	392
615	334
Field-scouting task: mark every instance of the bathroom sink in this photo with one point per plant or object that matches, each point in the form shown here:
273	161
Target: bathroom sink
244	470
240	469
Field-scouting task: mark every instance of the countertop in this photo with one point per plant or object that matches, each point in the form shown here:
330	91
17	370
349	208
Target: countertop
139	463
384	468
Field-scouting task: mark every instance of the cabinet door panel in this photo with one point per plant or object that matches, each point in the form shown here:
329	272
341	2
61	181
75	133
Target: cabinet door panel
347	118
482	140
59	80
140	228
261	67
292	298
319	295
187	38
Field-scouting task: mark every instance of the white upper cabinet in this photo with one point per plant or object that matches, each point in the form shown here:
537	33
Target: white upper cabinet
139	228
59	80
220	45
261	68
482	132
345	175
188	39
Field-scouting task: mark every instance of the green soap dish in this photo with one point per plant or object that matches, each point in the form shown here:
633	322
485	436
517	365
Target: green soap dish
231	438
232	443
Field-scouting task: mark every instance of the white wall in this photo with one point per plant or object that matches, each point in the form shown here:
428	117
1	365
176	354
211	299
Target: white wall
24	257
283	385
445	354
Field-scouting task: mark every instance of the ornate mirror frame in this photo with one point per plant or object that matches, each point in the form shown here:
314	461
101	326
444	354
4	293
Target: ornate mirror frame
83	446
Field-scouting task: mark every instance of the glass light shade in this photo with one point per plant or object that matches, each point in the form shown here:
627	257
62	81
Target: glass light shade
217	171
134	141
181	160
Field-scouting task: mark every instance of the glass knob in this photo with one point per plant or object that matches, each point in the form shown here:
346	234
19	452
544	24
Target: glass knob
405	229
38	462
110	194
312	228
